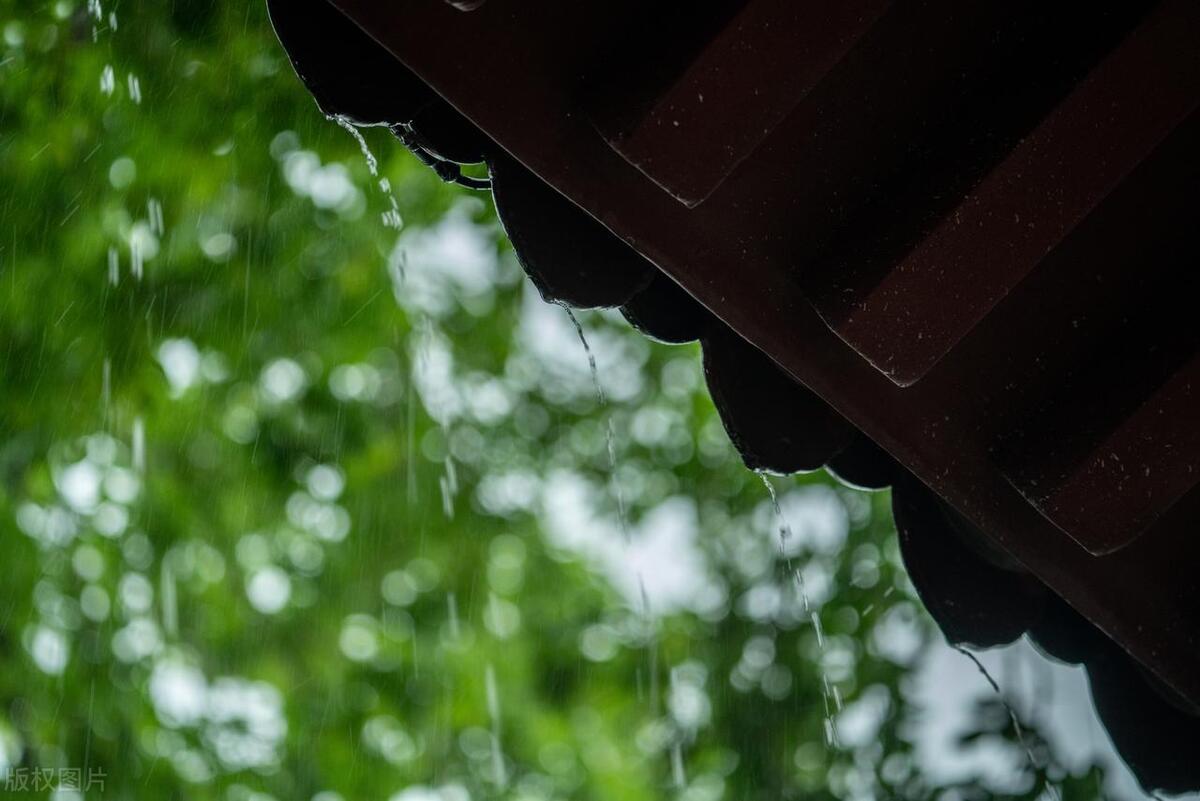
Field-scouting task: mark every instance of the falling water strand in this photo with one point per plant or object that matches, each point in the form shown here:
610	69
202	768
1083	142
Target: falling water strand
651	630
652	646
155	214
611	442
97	13
785	534
677	770
391	218
591	357
136	264
609	434
452	615
831	735
410	423
138	445
106	389
1012	715
352	129
587	349
654	698
114	266
170	604
448	482
499	772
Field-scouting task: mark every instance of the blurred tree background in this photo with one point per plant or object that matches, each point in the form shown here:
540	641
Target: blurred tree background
305	494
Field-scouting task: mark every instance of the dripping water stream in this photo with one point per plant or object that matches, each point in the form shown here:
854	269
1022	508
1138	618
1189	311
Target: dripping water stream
676	751
352	129
609	433
448	481
831	696
1018	730
390	218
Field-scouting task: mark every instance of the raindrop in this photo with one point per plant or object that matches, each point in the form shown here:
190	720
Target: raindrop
170	607
139	445
452	615
677	764
449	486
499	771
830	734
114	266
155	213
391	217
106	388
136	263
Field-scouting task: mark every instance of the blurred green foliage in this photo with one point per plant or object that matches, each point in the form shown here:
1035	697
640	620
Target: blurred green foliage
294	501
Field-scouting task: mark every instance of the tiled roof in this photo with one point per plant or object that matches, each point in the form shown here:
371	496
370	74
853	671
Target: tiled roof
948	247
